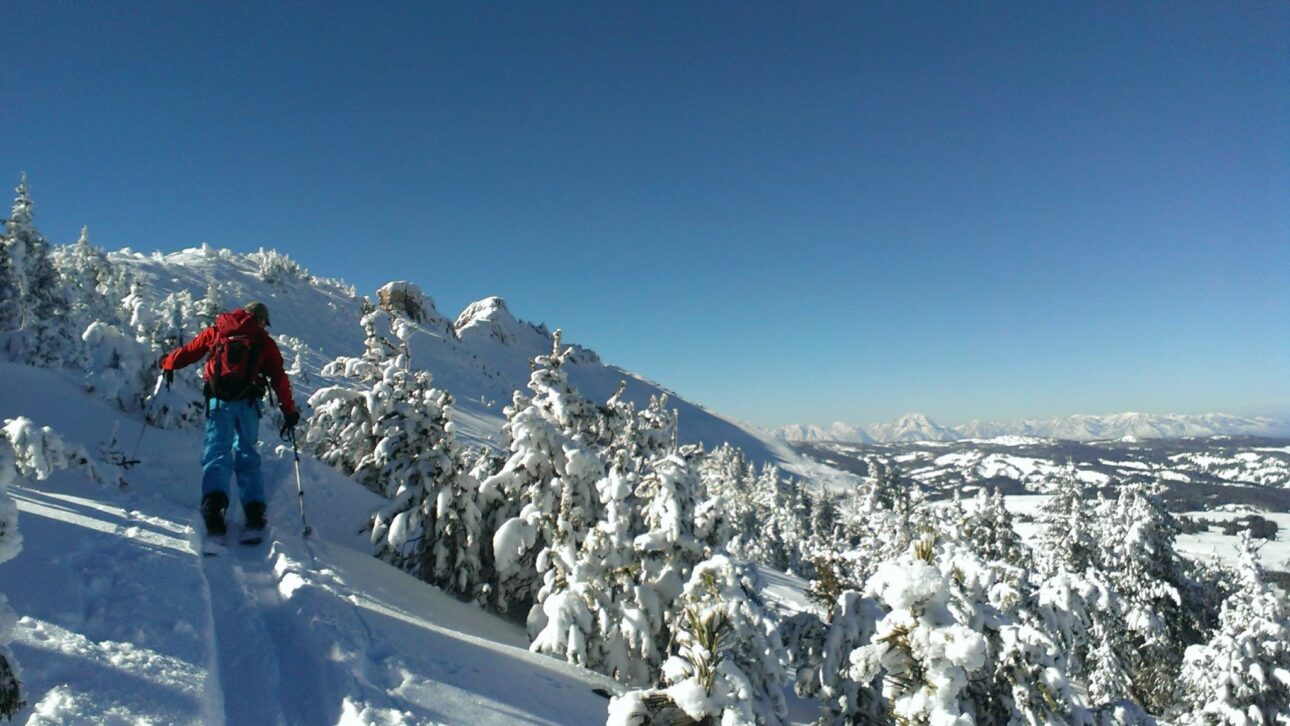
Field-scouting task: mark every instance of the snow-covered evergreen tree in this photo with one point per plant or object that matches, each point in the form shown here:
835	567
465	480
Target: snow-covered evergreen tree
415	463
726	474
990	532
1242	675
1066	543
87	276
551	475
10	311
389	428
956	647
921	648
891	515
43	334
276	268
1164	608
726	666
342	430
846	695
1084	615
119	368
210	306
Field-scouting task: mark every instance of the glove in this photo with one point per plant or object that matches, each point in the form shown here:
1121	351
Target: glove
289	421
169	375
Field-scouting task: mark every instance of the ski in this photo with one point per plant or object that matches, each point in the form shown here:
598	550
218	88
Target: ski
252	536
214	545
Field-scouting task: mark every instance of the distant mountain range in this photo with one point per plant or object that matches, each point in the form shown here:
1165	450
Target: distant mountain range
918	427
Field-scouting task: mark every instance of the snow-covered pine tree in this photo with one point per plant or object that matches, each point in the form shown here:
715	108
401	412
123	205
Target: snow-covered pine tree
712	526
794	514
617	628
848	696
725	473
823	530
726	665
955	647
774	526
1084	615
389	428
118	368
1109	683
921	649
990	532
44	334
10	312
655	430
1079	603
276	268
851	513
86	275
178	321
480	464
342	430
415	463
665	553
550	475
1242	675
1165	611
209	307
561	622
1066	543
893	514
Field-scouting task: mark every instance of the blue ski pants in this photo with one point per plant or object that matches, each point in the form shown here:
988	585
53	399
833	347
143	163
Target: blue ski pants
232	428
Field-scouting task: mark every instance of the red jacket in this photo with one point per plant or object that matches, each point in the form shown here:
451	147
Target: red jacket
236	322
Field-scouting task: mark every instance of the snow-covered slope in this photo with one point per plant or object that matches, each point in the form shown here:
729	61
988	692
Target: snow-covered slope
481	359
917	427
128	624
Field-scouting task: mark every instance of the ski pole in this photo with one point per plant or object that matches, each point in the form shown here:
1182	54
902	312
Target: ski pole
300	487
134	458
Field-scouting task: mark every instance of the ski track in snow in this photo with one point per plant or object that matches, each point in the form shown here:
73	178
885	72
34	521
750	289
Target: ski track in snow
122	621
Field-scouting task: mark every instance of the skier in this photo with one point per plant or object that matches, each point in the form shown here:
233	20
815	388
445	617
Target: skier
242	359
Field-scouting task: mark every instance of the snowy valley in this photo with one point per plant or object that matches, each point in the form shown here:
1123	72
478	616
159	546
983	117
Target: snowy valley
507	529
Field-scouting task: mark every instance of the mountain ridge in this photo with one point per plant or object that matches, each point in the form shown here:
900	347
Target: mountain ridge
1077	427
481	356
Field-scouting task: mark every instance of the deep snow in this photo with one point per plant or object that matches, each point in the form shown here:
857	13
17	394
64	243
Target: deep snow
121	621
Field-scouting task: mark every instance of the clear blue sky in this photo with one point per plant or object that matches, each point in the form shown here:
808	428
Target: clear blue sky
790	212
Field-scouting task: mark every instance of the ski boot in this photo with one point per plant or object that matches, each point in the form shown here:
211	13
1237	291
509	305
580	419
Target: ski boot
253	530
213	506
